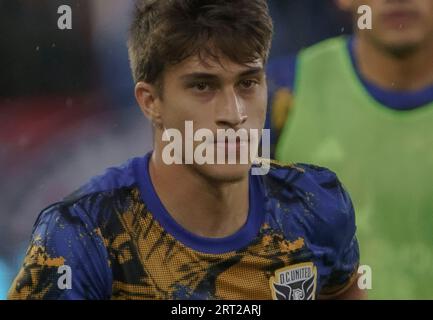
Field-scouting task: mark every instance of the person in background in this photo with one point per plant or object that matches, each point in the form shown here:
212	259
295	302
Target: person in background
363	106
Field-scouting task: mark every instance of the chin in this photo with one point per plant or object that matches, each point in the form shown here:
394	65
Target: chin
401	43
223	173
402	50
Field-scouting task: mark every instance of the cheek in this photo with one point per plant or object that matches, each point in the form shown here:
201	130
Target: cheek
257	109
173	114
184	108
263	102
429	16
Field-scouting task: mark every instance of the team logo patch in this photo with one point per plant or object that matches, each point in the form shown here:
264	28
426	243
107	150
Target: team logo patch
296	282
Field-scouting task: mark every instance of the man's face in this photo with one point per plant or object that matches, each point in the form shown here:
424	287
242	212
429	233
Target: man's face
399	25
215	96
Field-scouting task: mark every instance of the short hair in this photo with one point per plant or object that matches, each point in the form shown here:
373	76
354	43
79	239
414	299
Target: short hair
166	32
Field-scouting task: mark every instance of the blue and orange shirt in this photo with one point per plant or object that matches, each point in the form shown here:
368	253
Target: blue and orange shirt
119	242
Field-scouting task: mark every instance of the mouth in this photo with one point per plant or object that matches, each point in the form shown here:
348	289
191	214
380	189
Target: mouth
230	145
400	18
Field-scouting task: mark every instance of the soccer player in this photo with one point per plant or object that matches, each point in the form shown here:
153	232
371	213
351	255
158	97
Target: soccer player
363	107
152	230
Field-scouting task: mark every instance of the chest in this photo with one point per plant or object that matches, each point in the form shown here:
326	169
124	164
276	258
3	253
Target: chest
270	268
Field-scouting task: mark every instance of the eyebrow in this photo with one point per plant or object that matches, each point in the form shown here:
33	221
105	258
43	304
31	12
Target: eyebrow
212	76
251	72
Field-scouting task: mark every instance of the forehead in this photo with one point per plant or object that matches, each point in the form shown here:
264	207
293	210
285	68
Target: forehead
221	67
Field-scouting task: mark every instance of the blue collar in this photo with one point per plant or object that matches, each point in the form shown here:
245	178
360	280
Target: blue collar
398	100
242	238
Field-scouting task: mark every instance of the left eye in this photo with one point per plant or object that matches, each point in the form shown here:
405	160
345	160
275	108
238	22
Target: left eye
201	86
247	84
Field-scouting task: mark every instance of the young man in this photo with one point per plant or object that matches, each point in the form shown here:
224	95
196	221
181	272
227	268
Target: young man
364	107
152	230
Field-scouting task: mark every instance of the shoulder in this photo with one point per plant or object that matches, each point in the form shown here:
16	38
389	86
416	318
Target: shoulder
116	177
281	71
324	48
75	232
92	207
68	234
300	174
313	199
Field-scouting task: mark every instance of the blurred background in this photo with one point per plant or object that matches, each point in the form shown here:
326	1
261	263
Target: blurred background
67	109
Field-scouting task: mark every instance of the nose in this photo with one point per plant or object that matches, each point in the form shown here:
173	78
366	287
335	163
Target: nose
230	111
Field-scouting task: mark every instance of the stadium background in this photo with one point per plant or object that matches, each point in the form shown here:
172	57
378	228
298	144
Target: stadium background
66	100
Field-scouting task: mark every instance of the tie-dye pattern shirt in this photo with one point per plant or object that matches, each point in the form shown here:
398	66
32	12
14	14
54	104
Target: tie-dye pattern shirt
113	239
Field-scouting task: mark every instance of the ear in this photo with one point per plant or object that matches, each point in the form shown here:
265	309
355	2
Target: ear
147	98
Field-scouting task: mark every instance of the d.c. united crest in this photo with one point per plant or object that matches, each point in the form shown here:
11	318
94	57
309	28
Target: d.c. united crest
295	282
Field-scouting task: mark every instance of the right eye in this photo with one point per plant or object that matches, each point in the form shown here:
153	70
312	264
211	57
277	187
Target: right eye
201	86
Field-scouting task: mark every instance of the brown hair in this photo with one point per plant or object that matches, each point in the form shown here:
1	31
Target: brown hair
165	32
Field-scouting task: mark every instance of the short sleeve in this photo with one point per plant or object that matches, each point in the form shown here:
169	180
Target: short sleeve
344	270
319	210
66	258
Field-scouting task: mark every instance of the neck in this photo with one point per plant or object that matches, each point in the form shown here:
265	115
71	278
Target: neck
411	72
199	205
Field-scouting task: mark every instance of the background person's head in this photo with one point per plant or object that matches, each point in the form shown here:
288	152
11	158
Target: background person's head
398	26
201	61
